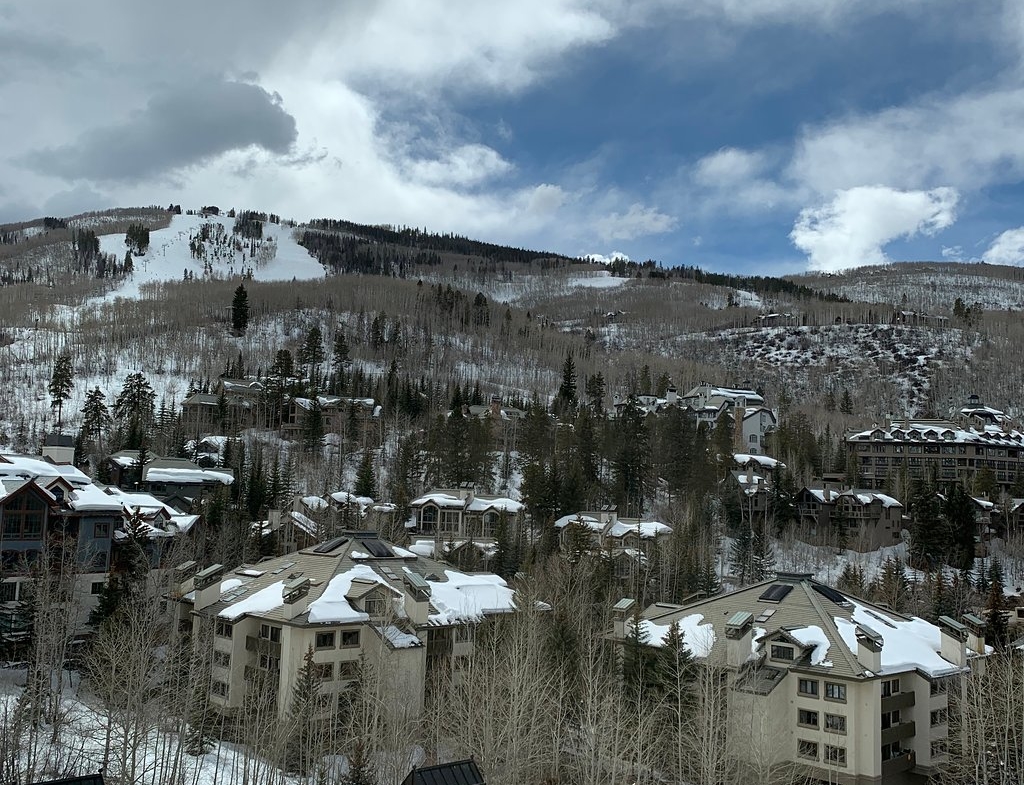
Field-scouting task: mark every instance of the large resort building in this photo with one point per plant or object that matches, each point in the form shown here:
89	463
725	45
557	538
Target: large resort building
843	691
352	599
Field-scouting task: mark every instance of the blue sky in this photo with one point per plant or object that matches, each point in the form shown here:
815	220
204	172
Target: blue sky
766	136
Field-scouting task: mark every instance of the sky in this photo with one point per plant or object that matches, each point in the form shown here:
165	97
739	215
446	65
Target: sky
751	136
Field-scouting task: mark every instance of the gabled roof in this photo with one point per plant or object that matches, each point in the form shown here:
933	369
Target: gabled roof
815	614
335	567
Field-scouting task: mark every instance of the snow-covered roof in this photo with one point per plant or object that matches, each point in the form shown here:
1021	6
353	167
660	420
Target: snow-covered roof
698	638
913	644
315	502
813	636
471	503
468	597
187	475
33	468
742	459
860	496
939	431
647	530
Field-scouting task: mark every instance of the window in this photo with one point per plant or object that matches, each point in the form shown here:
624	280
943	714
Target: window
836	692
348	670
223	629
807	717
782	652
219	688
450	520
464	633
97	588
808	687
325	640
890	688
374	606
939	687
23	518
835	723
270	633
890	718
892	750
8	591
323	671
221	659
101	531
807	749
835	756
753	438
939	717
350	637
428	518
269	663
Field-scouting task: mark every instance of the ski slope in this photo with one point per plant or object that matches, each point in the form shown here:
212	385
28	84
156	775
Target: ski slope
169	256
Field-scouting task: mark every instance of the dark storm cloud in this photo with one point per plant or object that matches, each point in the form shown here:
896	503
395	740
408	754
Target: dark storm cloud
180	126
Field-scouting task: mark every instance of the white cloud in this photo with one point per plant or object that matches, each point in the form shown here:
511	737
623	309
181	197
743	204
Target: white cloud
970	140
953	253
465	165
1007	248
738	181
637	221
854	227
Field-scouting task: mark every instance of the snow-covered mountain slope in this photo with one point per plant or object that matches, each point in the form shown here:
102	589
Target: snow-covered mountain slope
206	247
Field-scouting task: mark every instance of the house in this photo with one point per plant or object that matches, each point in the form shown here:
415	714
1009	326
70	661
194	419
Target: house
462	772
355	599
166	477
605	530
858	519
339	414
207	413
461	514
494	411
850	692
939	450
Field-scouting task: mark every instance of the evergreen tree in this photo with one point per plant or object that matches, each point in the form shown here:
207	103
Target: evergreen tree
567	397
61	384
852	580
301	744
313	427
366	480
958	512
359	771
762	554
240	309
95	415
997	629
846	403
893	587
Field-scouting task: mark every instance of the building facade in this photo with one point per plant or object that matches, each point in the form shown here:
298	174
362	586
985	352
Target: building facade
849	692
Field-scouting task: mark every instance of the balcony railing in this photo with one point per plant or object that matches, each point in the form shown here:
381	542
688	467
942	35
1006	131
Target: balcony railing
901	700
901	763
898	732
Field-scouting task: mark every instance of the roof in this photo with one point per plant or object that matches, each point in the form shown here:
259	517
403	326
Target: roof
901	431
33	467
352	558
821	619
88	779
463	772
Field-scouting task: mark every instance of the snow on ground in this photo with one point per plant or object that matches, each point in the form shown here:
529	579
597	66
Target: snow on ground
169	255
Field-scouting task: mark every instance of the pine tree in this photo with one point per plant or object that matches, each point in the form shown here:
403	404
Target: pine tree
366	480
846	402
997	629
359	772
567	397
762	554
61	384
305	707
240	309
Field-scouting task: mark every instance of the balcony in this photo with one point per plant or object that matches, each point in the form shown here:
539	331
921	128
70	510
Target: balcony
897	765
901	700
898	732
262	646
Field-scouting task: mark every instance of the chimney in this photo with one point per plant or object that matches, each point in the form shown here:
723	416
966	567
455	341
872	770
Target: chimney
739	633
183	578
869	648
975	632
622	611
207	586
417	604
954	640
296	597
495	406
672	395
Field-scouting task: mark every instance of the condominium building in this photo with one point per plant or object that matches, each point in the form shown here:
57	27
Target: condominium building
936	449
840	689
352	599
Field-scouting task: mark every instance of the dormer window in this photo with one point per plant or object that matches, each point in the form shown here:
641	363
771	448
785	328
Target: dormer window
780	652
374	606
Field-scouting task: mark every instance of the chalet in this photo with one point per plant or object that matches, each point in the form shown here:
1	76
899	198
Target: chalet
461	513
844	690
858	519
165	478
